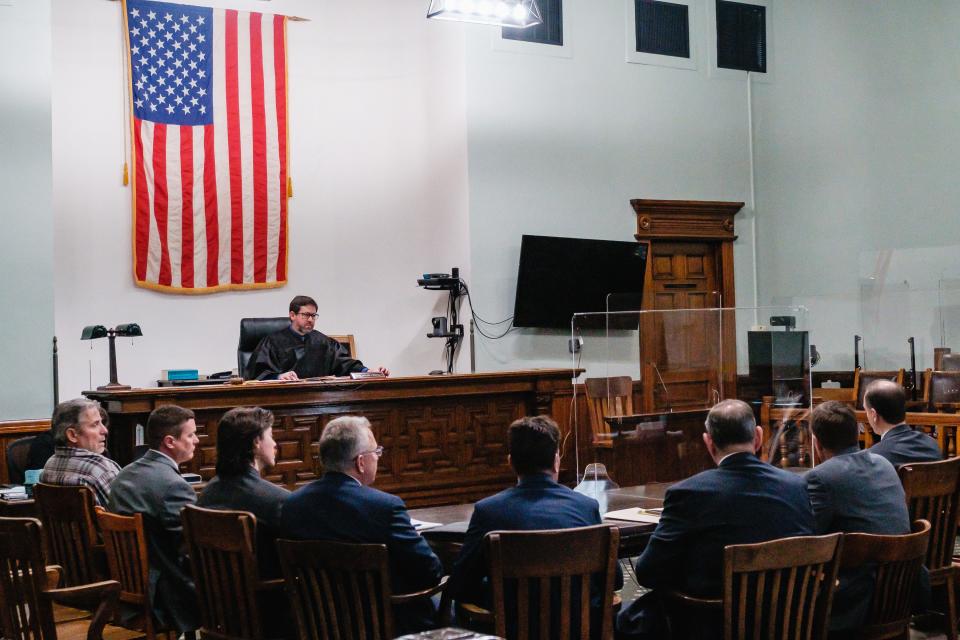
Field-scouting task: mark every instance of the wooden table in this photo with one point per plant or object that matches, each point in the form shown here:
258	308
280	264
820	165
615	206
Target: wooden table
447	539
444	436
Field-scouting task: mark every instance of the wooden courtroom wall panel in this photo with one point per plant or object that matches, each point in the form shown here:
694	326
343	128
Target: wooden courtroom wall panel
444	436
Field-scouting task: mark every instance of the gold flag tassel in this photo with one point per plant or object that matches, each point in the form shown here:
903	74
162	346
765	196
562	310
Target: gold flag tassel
289	187
126	175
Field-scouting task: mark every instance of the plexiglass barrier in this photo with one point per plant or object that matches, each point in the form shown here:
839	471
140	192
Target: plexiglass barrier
646	380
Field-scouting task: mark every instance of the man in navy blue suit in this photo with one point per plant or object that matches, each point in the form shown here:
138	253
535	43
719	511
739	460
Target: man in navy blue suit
742	501
885	405
536	502
341	506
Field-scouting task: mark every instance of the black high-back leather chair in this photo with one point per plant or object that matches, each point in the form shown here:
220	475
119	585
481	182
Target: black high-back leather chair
252	331
17	454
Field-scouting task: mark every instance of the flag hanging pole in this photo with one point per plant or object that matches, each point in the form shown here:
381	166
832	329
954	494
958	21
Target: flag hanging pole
294	18
127	98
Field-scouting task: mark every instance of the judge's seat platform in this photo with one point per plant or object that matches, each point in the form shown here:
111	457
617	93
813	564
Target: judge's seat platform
253	330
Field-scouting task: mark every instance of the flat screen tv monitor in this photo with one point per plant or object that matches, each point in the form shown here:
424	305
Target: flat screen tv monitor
562	276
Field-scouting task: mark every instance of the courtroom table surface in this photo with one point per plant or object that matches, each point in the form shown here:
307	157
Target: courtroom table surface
446	539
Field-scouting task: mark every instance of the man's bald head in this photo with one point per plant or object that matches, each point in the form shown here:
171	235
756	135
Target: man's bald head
731	422
888	399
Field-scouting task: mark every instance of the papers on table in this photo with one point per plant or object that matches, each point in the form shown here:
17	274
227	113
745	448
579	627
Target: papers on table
420	525
635	514
14	492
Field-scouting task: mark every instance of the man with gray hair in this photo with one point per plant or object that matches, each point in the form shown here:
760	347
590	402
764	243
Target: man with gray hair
743	501
80	438
342	507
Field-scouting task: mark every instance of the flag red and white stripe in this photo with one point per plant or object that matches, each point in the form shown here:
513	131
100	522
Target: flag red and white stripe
210	185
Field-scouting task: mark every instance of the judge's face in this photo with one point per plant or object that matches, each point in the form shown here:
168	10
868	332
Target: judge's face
304	319
90	433
265	450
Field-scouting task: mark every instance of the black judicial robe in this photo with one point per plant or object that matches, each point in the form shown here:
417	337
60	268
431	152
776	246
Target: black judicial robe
312	355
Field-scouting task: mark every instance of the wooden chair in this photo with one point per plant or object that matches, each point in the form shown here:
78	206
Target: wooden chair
536	578
941	391
341	590
126	547
17	453
933	494
27	591
69	520
778	589
950	362
224	563
607	397
898	561
862	380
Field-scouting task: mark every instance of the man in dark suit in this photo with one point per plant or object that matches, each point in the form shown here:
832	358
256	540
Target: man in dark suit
742	501
885	405
341	506
152	486
536	502
852	491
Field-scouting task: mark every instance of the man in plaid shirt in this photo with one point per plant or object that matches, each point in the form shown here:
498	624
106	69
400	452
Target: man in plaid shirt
80	438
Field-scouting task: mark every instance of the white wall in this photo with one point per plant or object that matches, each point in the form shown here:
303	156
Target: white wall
26	260
560	144
378	160
857	190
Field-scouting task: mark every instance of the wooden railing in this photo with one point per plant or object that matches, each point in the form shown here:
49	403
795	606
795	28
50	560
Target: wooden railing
942	426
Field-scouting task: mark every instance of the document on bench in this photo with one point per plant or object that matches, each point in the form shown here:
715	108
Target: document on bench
635	514
420	525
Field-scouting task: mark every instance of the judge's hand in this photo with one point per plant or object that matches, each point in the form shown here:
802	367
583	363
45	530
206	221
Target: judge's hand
383	370
289	375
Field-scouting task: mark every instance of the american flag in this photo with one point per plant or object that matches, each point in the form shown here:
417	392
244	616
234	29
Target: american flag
209	124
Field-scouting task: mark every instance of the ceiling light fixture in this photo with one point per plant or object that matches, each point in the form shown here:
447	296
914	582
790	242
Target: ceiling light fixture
503	13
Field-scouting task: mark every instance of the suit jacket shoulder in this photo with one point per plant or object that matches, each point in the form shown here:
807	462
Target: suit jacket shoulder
858	492
902	445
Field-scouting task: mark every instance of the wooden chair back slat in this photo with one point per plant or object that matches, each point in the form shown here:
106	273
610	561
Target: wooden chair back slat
338	590
125	544
782	588
222	549
608	397
24	614
524	565
933	494
897	561
69	521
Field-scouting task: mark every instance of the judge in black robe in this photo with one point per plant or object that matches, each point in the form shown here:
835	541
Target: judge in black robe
309	356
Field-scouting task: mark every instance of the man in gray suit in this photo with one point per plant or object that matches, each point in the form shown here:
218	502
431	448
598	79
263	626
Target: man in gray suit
152	486
885	405
852	491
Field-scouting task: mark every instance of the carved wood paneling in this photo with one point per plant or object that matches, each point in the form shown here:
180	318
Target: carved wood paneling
444	437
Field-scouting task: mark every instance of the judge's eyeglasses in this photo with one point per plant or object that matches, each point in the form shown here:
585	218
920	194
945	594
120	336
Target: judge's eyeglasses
309	315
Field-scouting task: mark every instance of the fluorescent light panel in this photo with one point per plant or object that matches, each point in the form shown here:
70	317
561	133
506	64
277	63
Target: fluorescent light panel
503	13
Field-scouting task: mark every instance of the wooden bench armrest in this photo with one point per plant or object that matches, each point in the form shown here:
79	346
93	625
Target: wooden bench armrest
402	598
270	585
54	574
103	596
684	600
473	614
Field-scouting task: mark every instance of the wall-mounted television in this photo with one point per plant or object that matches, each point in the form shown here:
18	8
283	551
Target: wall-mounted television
562	276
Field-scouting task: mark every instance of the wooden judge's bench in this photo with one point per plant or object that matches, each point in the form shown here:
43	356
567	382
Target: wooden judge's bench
444	436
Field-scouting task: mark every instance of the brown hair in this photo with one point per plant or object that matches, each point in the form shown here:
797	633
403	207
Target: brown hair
166	421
